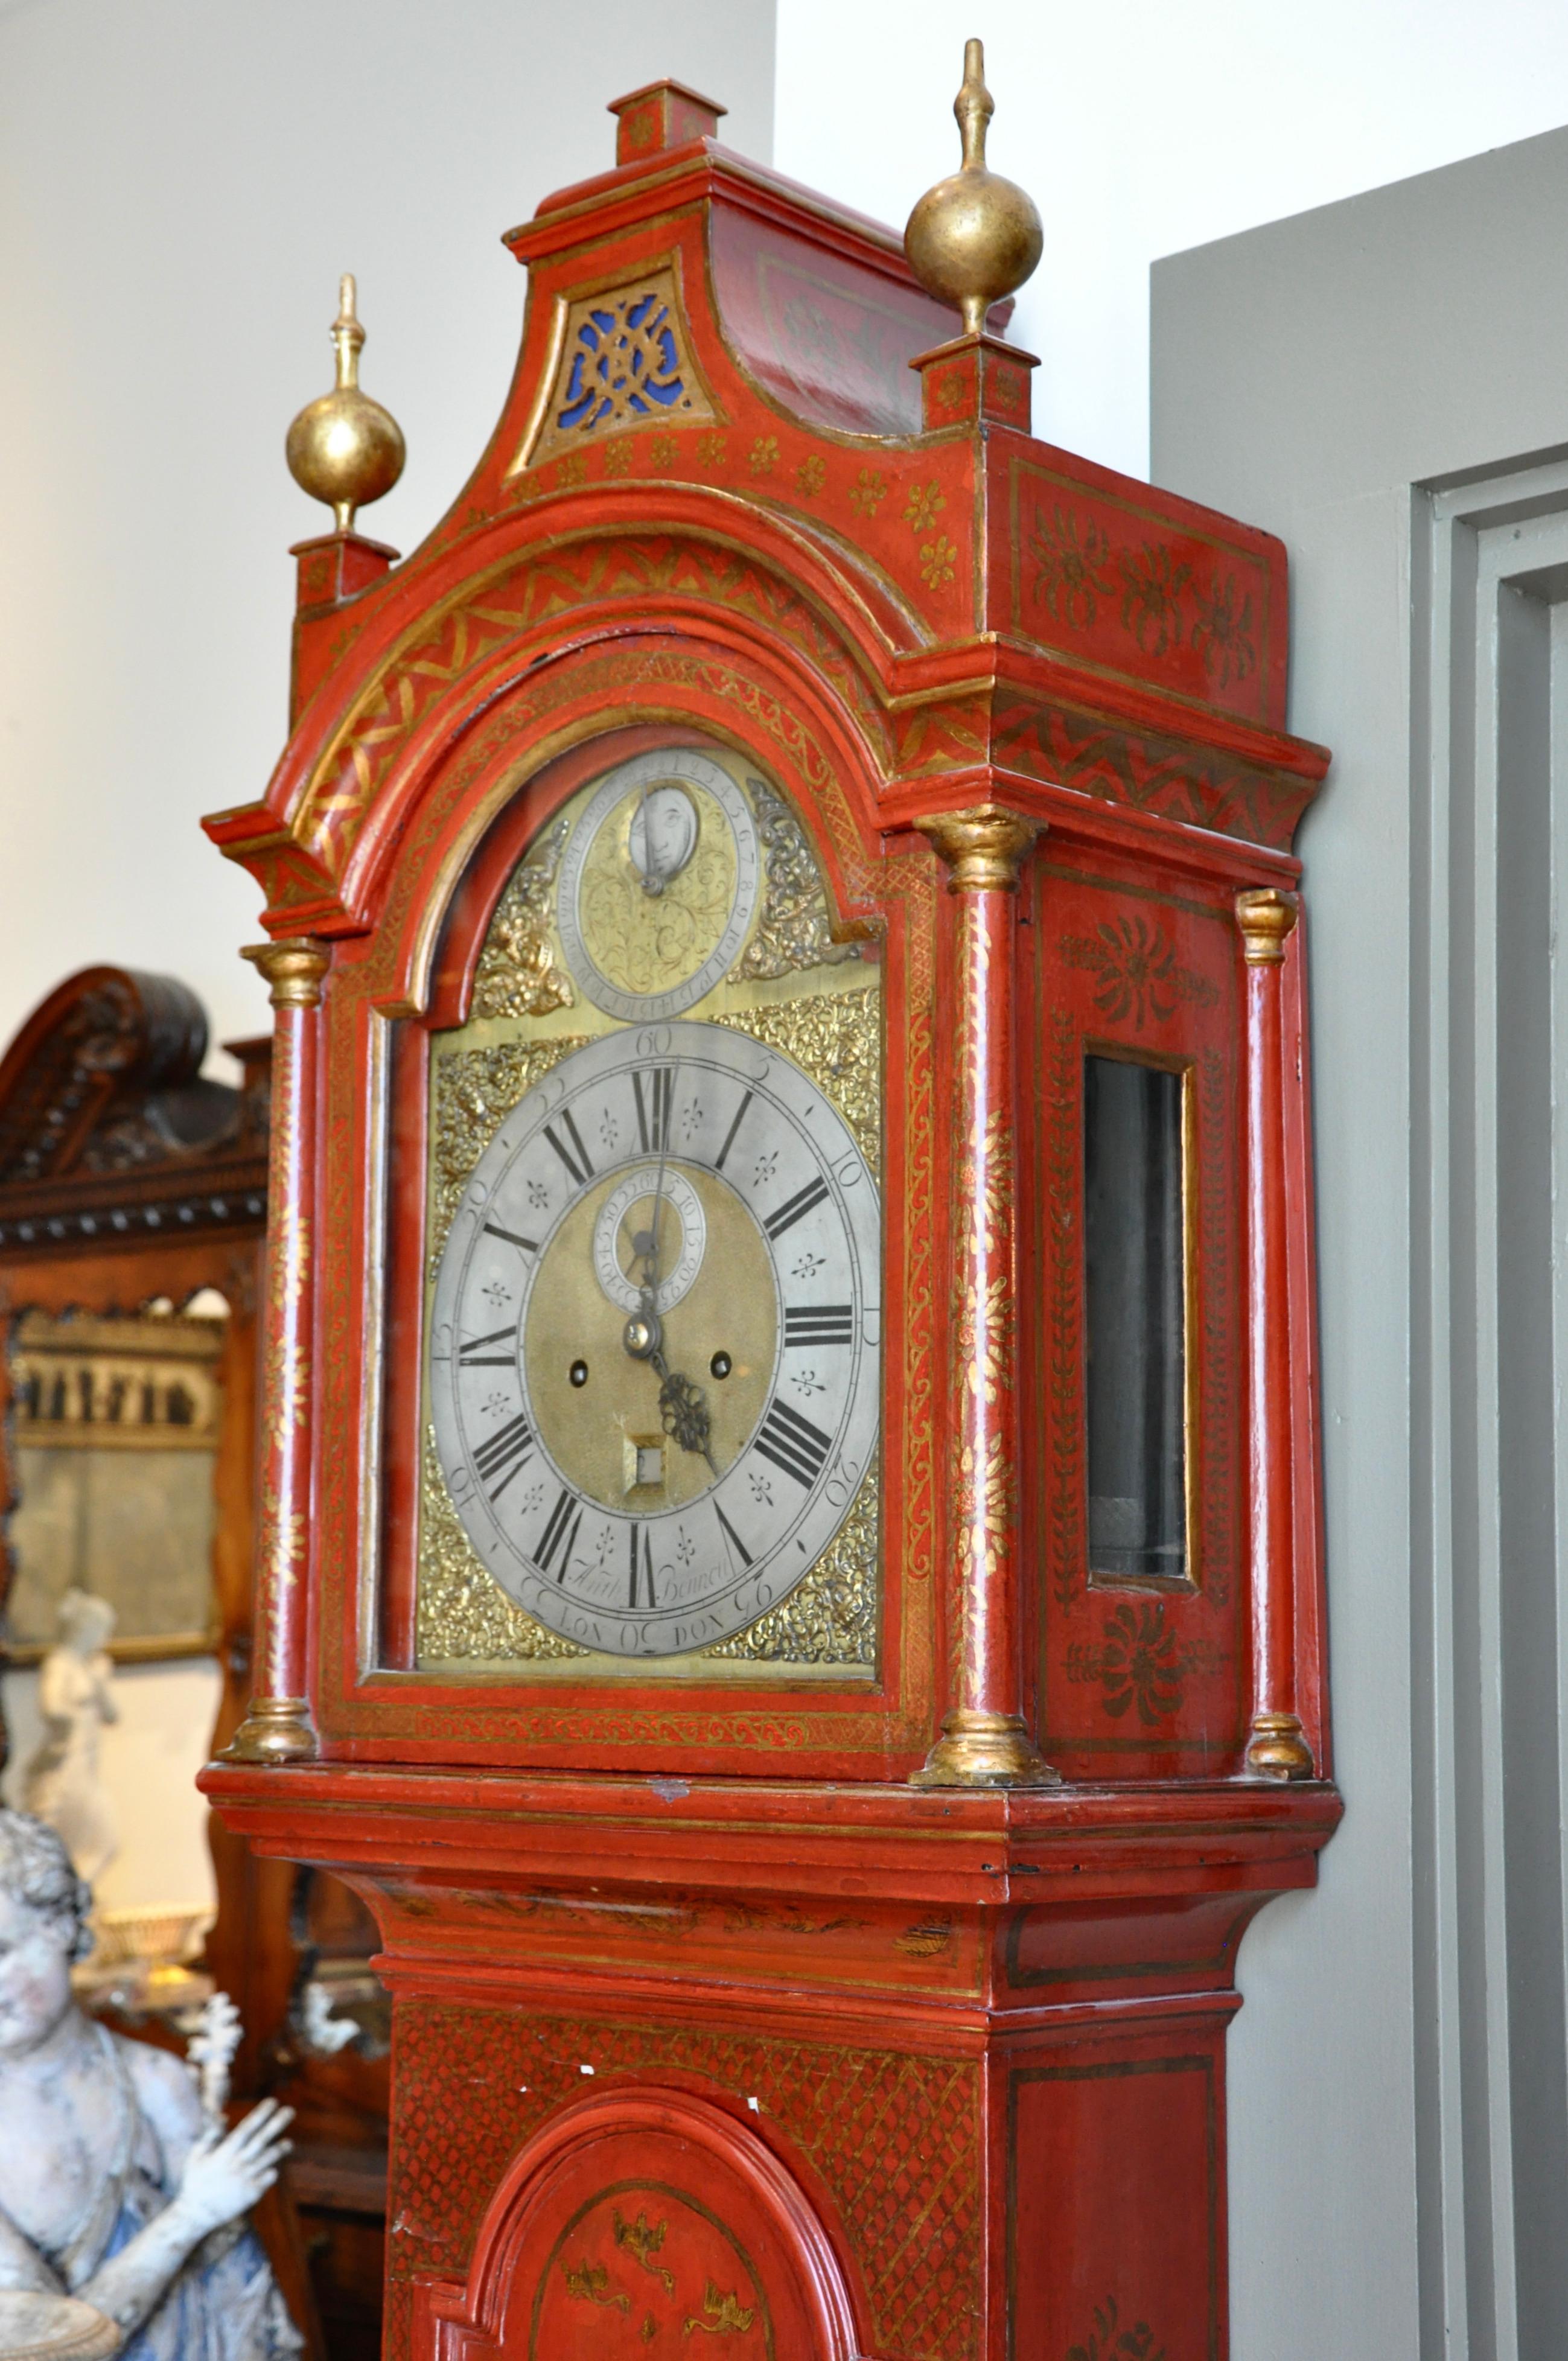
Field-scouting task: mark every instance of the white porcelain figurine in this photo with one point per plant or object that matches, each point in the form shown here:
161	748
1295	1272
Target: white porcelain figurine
115	2185
75	1700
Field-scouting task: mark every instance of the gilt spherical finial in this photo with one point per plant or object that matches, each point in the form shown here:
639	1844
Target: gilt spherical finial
975	237
343	448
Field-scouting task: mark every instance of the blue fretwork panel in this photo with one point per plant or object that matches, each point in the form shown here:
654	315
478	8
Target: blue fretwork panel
625	361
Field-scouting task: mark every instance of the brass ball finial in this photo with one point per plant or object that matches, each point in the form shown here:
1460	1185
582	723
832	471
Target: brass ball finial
975	237
344	448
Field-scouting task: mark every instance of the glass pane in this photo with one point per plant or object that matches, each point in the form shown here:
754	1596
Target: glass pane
1136	1318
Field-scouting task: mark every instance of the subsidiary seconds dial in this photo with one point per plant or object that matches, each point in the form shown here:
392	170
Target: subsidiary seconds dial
654	1370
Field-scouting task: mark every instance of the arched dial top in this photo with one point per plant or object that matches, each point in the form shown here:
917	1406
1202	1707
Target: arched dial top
654	1338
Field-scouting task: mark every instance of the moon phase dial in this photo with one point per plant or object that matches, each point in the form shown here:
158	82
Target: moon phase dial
654	1357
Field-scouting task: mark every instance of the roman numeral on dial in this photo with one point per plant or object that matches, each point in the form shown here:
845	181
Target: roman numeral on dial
655	1096
574	1157
731	1536
642	1574
560	1533
819	1324
473	1355
796	1208
503	1454
528	1245
730	1134
794	1443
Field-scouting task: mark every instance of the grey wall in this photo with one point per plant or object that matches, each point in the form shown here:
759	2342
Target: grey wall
1396	2073
181	183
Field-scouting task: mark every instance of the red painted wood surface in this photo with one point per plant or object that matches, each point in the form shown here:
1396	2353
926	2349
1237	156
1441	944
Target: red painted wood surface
913	2074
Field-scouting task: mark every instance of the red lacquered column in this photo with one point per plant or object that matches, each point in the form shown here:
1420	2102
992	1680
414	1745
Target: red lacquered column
985	1741
1276	1747
277	1726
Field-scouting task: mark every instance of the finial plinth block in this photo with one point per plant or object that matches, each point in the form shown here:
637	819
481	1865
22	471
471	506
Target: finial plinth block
974	381
660	116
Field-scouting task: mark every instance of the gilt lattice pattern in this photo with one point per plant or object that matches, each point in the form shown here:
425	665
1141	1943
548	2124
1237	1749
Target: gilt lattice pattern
897	2140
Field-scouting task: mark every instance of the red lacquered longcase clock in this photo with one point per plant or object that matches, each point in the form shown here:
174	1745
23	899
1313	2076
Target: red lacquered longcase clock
792	1547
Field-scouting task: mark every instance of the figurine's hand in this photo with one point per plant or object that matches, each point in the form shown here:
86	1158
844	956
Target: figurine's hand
224	2176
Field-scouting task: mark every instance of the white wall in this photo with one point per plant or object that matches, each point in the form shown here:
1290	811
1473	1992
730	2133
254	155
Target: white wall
1309	375
181	183
1140	126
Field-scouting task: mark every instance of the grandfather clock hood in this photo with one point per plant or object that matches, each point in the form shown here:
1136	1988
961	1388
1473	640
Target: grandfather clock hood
702	325
791	1545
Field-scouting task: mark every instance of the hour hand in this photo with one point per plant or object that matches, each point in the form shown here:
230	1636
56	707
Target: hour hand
684	1413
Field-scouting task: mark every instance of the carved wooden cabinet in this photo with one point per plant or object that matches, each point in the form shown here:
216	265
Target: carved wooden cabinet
792	1565
132	1187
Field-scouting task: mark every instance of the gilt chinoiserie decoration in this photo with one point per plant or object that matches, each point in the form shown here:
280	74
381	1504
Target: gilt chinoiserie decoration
790	1515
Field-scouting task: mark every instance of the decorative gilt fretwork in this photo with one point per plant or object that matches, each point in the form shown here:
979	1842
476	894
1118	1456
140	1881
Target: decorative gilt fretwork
475	1091
626	361
463	1610
831	1617
836	1039
517	974
795	929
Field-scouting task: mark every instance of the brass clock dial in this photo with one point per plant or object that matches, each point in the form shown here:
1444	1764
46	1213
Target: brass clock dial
658	885
655	1328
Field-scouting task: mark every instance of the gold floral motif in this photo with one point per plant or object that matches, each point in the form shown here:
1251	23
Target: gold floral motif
639	942
924	505
868	491
475	1091
810	476
795	929
1063	1149
836	1039
983	1510
712	450
937	561
764	455
463	1610
831	1618
517	974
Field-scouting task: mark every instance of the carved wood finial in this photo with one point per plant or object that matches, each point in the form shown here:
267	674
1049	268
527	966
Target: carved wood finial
975	237
343	448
